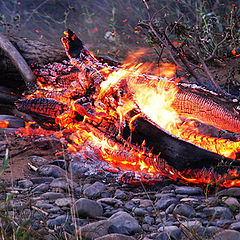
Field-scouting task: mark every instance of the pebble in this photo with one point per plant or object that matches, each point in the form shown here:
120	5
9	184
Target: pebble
39	180
231	192
173	231
94	190
227	235
64	202
164	202
87	208
120	194
51	171
124	223
115	236
110	201
59	221
52	195
41	188
235	226
188	190
37	161
63	183
218	212
95	230
25	183
184	210
231	202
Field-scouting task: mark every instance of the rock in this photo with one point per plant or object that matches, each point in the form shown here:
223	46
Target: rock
116	236
191	225
25	183
222	223
169	210
14	122
184	210
211	230
237	217
164	202
130	205
149	220
39	180
231	192
235	226
59	221
52	195
162	236
38	161
120	194
51	171
43	205
87	208
95	230
111	201
173	231
63	183
77	168
227	235
64	202
188	190
145	203
231	202
43	187
124	223
140	212
94	190
218	212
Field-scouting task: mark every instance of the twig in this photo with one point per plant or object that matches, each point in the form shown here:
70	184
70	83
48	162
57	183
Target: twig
216	48
32	167
18	61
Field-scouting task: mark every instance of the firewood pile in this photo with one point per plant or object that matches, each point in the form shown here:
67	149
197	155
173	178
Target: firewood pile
140	121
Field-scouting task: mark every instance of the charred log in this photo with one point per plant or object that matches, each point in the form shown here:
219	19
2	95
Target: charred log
45	107
178	153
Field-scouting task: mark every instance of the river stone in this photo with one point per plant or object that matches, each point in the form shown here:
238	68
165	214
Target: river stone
184	210
227	235
51	171
52	195
120	194
59	221
235	226
231	201
37	161
110	201
87	208
95	230
231	192
188	190
124	223
63	183
94	190
43	187
164	202
173	231
25	183
140	211
64	202
218	212
39	180
115	236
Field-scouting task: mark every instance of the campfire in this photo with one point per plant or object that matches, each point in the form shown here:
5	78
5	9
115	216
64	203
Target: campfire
147	123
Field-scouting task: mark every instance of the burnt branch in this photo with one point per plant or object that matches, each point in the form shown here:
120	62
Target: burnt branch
18	61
